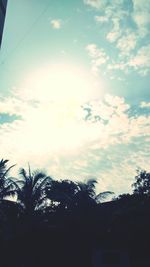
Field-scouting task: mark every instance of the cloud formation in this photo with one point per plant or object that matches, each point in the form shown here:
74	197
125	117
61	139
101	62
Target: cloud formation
94	3
141	11
126	25
56	24
99	138
98	55
145	104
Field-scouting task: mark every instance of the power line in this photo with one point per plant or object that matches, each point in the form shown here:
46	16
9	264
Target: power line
27	33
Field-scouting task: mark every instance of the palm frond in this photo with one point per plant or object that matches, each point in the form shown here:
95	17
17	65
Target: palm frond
5	173
38	191
17	182
3	164
29	169
23	173
3	168
91	182
38	176
103	195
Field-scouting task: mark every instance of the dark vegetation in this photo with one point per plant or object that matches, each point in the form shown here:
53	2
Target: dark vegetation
49	222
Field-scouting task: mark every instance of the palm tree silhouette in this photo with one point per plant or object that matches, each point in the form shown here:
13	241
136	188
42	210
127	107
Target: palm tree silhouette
87	196
31	189
67	195
7	184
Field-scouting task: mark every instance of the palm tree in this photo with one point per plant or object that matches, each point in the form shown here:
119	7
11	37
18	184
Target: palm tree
7	184
87	196
31	189
67	195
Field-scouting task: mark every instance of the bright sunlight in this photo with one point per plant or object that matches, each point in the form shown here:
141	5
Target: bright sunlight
54	120
60	83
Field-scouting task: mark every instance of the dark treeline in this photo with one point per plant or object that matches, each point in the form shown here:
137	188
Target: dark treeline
49	222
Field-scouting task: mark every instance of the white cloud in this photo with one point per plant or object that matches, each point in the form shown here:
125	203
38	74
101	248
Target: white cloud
51	133
145	104
141	61
121	10
114	34
142	58
122	145
96	3
56	24
115	125
116	101
98	56
101	19
117	66
123	16
123	162
127	43
141	11
12	106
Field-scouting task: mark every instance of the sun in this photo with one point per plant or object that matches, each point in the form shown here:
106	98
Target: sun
59	83
54	95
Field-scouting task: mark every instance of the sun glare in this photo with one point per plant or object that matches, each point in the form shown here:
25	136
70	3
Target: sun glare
56	121
60	83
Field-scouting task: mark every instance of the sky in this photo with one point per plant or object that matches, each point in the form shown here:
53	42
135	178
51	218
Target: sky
74	89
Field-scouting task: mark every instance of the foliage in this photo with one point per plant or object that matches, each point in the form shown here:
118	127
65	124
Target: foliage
69	195
7	185
31	189
142	184
61	194
70	227
35	188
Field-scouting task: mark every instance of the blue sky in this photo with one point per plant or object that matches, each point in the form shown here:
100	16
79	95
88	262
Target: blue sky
74	88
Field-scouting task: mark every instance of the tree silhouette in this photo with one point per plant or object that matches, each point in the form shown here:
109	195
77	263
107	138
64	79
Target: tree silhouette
62	194
142	183
74	223
87	194
67	195
7	184
31	189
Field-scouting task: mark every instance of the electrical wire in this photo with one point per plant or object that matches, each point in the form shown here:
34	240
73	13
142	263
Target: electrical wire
27	33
